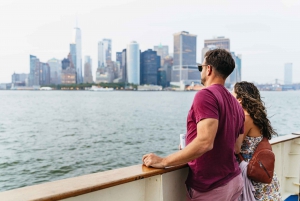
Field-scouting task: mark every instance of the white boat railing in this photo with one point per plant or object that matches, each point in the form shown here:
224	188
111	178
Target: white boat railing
139	183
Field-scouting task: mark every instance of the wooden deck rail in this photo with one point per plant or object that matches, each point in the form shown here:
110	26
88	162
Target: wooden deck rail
75	186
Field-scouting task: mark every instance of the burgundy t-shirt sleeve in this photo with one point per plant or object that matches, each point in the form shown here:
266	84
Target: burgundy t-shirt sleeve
205	105
242	126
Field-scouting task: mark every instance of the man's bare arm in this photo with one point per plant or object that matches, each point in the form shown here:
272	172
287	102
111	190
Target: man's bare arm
206	133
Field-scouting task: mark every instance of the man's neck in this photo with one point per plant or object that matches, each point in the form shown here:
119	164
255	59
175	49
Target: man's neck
216	80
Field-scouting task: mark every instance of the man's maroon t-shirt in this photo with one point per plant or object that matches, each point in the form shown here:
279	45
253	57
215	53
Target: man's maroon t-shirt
217	166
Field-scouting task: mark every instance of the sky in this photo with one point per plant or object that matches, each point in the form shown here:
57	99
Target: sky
265	33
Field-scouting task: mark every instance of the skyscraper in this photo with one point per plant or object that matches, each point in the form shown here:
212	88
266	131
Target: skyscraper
162	51
34	74
73	54
220	42
288	73
101	55
44	77
107	49
68	73
133	63
149	67
55	71
78	62
88	77
236	75
19	79
185	70
124	67
119	58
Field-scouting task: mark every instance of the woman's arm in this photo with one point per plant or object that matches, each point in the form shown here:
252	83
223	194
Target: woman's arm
240	139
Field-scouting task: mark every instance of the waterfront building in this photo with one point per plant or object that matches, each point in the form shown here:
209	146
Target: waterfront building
4	86
150	63
55	71
88	76
219	42
104	76
78	61
185	70
162	77
133	63
19	79
162	51
288	73
68	76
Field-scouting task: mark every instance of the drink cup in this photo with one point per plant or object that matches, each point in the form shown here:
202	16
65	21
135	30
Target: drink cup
182	140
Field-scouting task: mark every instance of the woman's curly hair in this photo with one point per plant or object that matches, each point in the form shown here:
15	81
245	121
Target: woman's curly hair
252	103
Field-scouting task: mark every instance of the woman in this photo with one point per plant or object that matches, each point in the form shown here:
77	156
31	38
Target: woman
256	126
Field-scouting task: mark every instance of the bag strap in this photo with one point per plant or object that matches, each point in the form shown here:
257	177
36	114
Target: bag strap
264	144
241	157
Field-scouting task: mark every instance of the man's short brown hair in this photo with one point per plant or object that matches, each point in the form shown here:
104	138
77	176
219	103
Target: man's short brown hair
221	60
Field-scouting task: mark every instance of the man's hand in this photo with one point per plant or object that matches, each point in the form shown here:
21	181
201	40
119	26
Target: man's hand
153	161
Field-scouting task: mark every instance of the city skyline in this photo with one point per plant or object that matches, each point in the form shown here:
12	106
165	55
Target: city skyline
259	34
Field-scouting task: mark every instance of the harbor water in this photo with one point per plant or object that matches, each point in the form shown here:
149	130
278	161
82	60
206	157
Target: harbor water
52	135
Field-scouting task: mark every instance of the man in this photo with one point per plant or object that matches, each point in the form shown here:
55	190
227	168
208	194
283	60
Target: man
214	123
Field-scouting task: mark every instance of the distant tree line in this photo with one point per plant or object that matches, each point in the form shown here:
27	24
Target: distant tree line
117	86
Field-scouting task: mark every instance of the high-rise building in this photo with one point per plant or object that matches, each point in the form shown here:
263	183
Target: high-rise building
55	71
206	49
288	73
68	73
19	79
65	63
149	67
133	63
107	49
162	51
88	77
104	53
101	55
73	54
34	71
168	65
44	77
236	75
119	58
124	67
185	70
220	42
78	61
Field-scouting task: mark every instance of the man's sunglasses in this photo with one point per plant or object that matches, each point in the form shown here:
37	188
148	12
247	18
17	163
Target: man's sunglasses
200	67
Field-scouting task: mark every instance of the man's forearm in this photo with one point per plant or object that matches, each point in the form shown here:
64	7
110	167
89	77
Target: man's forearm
194	150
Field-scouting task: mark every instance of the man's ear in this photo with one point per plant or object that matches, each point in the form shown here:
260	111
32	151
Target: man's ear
209	69
239	100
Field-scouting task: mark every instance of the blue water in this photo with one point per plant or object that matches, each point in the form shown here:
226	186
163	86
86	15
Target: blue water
51	135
